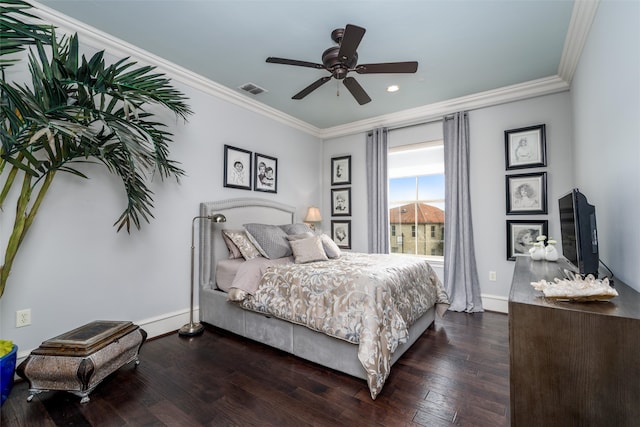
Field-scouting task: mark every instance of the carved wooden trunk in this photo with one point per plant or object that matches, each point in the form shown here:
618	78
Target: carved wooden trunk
78	360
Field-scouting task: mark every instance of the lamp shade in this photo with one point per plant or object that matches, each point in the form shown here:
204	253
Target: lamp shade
313	215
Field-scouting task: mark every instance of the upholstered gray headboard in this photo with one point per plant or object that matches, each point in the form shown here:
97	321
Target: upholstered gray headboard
238	212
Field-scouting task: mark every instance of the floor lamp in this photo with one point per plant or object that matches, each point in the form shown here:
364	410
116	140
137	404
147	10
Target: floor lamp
195	328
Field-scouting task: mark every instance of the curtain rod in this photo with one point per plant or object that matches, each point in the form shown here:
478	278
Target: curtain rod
439	119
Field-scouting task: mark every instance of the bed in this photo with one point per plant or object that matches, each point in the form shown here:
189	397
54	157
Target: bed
248	317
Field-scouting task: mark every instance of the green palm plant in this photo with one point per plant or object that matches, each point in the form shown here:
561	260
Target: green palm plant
77	111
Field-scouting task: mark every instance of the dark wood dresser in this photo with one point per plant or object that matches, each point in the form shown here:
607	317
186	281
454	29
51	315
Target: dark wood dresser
572	363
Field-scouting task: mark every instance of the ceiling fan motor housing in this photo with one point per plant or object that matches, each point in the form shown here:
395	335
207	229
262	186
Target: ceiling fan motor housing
336	65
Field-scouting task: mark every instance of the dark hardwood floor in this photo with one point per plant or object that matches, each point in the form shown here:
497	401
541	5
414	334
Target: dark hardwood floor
457	373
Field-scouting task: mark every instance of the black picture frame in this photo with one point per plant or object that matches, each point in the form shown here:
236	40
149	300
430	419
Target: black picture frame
341	233
341	170
233	176
525	147
526	193
265	180
522	234
341	201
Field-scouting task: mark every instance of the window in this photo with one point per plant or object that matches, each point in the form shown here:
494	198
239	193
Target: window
416	199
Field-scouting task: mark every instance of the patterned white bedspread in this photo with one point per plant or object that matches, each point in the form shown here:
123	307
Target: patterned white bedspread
366	299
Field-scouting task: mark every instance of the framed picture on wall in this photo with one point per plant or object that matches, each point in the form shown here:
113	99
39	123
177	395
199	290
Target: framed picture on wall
266	175
522	234
527	194
341	201
341	170
237	168
341	233
525	147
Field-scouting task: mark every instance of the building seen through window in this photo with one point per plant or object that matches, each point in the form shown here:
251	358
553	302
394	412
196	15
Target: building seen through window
416	199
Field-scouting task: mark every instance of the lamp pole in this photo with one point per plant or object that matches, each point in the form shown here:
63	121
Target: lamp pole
192	328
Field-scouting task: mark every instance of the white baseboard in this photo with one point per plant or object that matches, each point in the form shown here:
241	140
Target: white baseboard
166	323
495	303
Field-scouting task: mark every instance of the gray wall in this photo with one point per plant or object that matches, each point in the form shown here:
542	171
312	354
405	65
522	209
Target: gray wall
606	108
74	268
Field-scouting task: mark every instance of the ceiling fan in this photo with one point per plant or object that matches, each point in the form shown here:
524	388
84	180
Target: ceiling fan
341	59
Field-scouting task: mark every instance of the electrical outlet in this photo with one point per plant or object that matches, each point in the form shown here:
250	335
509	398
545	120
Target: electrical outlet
492	276
23	317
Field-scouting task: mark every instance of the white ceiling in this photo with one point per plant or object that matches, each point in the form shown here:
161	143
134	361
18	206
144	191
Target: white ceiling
463	47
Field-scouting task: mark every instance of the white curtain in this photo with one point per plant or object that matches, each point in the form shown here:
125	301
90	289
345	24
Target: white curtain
460	271
378	208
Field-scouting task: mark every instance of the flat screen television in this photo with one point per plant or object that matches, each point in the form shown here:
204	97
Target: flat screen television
579	233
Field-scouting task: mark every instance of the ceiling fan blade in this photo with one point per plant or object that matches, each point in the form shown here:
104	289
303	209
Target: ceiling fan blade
284	61
356	90
350	41
388	67
313	86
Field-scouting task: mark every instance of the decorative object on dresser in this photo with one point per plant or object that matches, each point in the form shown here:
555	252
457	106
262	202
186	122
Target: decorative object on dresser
266	175
341	170
237	168
78	360
521	236
527	193
195	328
313	217
525	147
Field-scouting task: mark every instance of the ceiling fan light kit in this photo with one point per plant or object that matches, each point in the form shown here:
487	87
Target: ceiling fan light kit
341	59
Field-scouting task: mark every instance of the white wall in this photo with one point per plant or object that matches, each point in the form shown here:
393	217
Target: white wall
606	104
74	268
487	126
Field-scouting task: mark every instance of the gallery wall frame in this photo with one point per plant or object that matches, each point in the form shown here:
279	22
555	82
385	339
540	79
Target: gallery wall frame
341	170
525	147
522	234
266	173
341	201
526	193
237	168
341	233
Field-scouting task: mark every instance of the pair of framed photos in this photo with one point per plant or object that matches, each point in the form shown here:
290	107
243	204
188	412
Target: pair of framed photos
526	193
341	201
241	168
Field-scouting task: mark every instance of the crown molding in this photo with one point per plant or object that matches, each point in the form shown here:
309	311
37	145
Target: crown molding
582	16
584	11
436	111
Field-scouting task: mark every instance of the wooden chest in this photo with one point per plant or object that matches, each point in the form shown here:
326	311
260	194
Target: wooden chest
78	360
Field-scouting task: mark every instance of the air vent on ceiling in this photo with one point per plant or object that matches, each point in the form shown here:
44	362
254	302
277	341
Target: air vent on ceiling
252	88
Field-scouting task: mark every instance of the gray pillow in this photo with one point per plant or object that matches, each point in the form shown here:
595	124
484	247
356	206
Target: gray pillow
270	240
298	228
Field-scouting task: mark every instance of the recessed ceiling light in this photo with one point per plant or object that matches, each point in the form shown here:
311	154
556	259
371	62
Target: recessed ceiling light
393	88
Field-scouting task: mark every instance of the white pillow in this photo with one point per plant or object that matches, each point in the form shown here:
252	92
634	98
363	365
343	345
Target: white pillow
308	250
330	247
